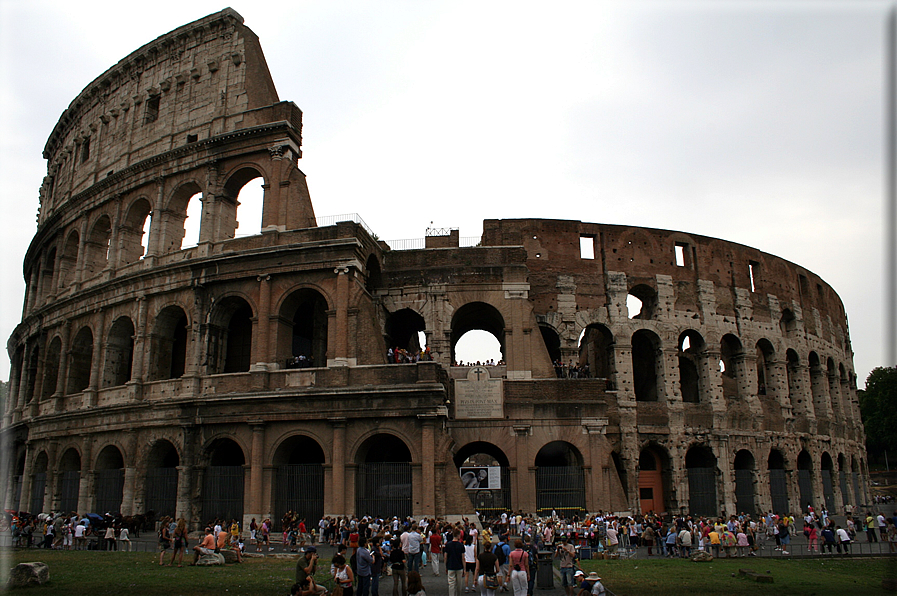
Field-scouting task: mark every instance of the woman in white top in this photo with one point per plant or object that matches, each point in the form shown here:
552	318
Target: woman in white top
470	565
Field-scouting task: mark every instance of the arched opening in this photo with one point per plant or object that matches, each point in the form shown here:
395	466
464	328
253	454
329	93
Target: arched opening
97	247
299	479
39	483
307	336
68	263
641	302
701	466
691	348
383	477
48	279
69	481
402	329
182	221
552	342
162	479
134	233
477	316
222	494
645	349
32	372
778	482
842	479
18	478
818	385
230	336
834	389
486	475
793	372
110	479
373	279
828	489
765	355
51	368
168	344
730	354
119	353
596	349
805	478
788	322
242	204
560	480
80	361
855	472
744	483
651	465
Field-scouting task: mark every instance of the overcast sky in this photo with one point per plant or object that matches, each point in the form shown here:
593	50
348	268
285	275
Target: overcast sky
760	123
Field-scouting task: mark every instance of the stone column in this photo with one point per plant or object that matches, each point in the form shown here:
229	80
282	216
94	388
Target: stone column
726	483
428	464
65	333
154	244
256	508
130	480
341	308
86	496
82	246
261	350
25	498
185	476
141	349
338	459
90	394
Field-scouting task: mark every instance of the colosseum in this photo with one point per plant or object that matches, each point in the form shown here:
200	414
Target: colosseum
247	376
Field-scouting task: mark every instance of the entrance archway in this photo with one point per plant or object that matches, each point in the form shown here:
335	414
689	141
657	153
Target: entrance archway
383	477
651	494
778	483
560	480
805	478
70	482
744	482
701	465
299	479
828	489
489	493
222	496
110	478
162	479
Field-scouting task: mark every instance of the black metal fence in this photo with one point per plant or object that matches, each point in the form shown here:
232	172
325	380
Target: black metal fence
299	488
383	489
778	490
38	488
109	485
71	482
561	489
493	502
744	491
702	491
161	491
222	494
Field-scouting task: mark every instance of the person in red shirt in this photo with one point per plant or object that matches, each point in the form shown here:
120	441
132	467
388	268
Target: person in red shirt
435	548
206	547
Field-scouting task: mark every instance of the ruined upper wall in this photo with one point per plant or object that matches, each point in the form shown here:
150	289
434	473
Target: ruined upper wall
188	85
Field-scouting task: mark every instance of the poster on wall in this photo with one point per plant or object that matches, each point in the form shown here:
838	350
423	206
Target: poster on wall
481	477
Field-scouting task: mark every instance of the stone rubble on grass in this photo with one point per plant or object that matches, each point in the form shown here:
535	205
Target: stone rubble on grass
702	557
29	574
212	559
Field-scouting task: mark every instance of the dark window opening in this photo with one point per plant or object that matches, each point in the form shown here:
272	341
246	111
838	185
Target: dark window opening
192	138
85	150
152	109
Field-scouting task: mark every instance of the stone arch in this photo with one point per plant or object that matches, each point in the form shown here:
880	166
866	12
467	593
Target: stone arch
475	463
855	473
560	480
805	478
119	353
653	478
230	336
299	478
647	302
765	356
228	209
48	274
373	278
109	483
793	372
303	326
745	478
402	328
383	478
161	481
222	495
131	234
168	344
478	316
700	464
70	479
827	469
690	355
818	385
596	349
32	370
834	390
68	261
98	246
731	367
787	322
174	217
51	368
552	340
778	481
80	361
646	365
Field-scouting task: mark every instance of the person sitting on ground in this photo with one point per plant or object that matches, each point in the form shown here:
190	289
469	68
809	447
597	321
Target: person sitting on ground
206	547
415	585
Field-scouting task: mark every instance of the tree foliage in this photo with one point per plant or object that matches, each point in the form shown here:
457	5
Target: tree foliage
878	407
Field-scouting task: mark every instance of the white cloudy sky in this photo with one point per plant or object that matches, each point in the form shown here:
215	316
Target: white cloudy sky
757	122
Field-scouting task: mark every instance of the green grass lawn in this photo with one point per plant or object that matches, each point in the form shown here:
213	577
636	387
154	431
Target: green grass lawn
661	577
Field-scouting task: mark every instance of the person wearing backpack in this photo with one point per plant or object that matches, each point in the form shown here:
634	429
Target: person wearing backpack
518	576
502	552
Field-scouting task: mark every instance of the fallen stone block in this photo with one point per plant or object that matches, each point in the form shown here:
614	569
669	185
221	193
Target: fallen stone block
702	557
212	559
29	574
760	578
230	556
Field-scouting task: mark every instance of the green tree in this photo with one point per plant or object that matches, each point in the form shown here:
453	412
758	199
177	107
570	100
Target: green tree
878	407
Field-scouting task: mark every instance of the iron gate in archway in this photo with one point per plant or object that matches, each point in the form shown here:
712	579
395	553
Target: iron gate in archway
299	488
561	489
383	489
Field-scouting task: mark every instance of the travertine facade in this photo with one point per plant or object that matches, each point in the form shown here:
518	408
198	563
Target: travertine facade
147	376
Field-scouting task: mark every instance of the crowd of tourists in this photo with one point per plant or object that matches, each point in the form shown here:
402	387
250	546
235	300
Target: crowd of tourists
572	370
63	531
402	356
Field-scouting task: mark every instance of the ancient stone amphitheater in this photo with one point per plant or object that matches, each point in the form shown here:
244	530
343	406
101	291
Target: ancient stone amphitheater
149	376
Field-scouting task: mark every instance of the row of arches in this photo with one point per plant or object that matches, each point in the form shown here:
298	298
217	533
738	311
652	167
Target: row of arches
114	237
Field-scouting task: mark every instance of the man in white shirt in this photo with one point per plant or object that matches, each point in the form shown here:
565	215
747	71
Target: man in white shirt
844	539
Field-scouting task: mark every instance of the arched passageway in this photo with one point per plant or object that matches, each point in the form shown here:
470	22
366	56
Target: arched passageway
805	479
109	480
651	481
744	482
222	495
478	316
38	484
486	475
299	480
70	481
701	466
778	482
828	489
162	479
560	480
383	478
